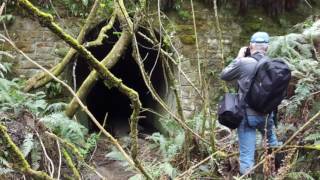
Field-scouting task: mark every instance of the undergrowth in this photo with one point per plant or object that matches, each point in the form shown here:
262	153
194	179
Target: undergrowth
13	102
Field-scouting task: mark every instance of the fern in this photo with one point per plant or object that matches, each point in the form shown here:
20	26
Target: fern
55	107
4	166
36	155
27	144
313	137
116	155
4	162
299	175
12	98
90	144
168	146
4	171
65	128
298	50
137	177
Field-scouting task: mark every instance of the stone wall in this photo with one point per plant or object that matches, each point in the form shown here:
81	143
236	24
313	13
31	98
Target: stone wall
39	43
209	53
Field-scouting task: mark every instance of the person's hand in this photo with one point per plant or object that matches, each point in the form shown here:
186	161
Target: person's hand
242	52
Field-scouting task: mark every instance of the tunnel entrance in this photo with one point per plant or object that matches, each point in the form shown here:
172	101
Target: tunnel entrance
102	100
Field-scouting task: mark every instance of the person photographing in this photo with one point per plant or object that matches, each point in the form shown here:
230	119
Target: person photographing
262	84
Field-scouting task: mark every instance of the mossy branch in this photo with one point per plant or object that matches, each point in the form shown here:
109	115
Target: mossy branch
19	162
42	78
102	34
109	61
70	164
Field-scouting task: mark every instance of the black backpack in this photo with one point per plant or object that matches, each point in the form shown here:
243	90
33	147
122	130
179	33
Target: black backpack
269	83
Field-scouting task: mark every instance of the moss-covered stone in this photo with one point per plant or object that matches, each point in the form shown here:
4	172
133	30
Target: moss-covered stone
184	28
188	39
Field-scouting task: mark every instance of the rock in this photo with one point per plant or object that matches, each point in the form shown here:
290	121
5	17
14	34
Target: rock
188	39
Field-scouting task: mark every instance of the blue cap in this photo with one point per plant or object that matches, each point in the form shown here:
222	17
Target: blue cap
260	37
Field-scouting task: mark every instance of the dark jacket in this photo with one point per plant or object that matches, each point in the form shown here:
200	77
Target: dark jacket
240	69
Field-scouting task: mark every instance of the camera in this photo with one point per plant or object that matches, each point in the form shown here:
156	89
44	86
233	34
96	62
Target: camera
247	53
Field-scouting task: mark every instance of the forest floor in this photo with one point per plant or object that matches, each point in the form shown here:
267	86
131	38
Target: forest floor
116	169
109	168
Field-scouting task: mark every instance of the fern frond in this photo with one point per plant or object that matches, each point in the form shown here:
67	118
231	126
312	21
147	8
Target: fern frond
27	144
4	162
36	155
313	137
299	175
66	128
55	107
4	171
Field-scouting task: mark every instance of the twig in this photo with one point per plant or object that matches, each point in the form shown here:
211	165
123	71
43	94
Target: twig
191	169
160	43
308	3
2	7
224	86
197	44
60	159
51	167
103	125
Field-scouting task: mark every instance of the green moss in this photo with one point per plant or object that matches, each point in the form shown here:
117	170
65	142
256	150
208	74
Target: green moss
183	28
188	39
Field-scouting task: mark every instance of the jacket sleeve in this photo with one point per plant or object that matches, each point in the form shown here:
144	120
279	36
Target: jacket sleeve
232	71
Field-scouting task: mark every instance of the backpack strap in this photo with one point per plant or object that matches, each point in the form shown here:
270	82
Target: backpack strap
257	56
260	58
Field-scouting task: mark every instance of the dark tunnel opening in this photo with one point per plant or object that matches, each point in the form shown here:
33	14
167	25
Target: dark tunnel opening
102	100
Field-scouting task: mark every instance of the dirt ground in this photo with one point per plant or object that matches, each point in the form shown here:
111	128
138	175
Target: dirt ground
114	169
111	169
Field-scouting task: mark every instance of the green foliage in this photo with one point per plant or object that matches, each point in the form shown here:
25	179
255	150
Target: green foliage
183	14
55	107
8	18
168	146
27	145
90	144
81	9
117	156
12	98
4	171
299	175
77	8
299	53
4	69
65	128
36	155
53	89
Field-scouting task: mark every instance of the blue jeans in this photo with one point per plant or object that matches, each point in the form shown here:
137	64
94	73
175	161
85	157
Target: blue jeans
247	139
